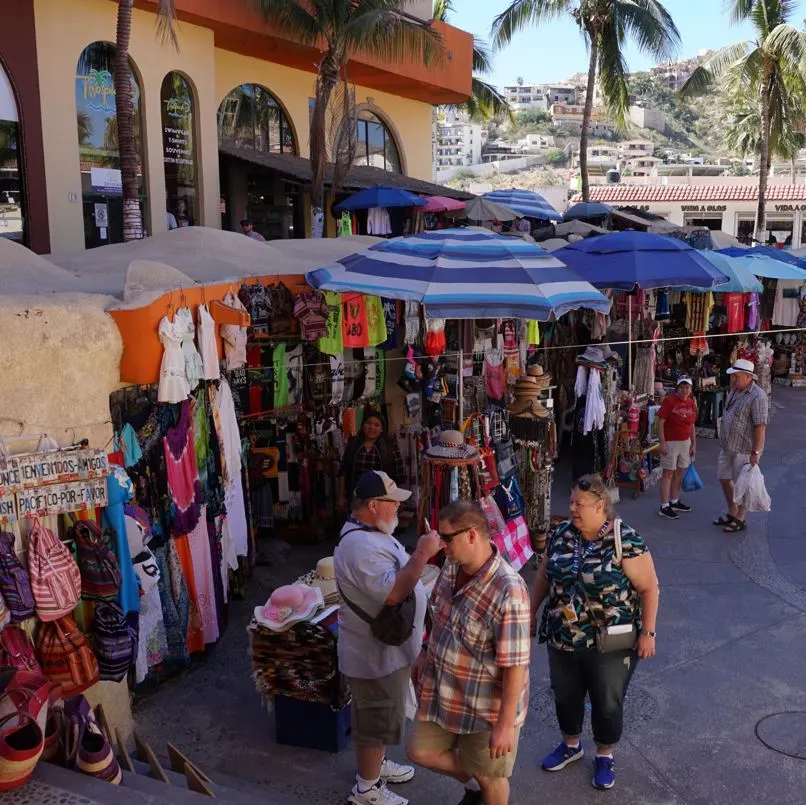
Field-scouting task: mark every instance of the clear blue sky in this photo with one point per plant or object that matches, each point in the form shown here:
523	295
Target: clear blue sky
555	51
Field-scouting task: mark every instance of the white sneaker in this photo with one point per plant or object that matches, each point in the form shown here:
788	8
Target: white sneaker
394	773
379	794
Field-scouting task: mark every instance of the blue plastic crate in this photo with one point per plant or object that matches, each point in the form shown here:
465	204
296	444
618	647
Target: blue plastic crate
311	725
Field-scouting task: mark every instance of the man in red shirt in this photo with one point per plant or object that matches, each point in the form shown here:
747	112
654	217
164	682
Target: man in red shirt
678	445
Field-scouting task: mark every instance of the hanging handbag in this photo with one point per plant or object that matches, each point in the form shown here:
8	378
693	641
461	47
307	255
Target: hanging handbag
16	650
14	583
55	577
21	746
100	571
66	657
616	637
114	642
88	750
509	498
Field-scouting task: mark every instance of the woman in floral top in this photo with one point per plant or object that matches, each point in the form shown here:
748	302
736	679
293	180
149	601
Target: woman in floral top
587	586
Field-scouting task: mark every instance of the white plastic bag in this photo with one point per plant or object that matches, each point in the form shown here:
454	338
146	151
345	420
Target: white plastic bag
749	490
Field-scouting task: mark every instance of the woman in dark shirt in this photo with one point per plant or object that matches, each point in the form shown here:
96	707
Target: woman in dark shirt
370	450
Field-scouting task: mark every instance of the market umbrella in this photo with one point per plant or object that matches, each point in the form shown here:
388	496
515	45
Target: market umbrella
586	209
626	259
464	274
761	264
482	209
742	280
379	196
441	204
526	202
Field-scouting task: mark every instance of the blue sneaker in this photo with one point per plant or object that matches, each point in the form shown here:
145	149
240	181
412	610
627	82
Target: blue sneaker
562	756
604	773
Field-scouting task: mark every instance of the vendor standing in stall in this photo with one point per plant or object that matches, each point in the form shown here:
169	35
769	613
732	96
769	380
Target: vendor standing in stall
678	445
373	572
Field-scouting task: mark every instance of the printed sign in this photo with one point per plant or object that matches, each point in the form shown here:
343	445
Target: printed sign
35	470
106	180
62	498
8	509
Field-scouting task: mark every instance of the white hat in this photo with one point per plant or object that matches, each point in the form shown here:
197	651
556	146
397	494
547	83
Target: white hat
743	365
450	444
289	605
377	484
685	379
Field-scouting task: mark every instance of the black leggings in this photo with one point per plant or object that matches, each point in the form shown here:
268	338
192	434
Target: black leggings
604	677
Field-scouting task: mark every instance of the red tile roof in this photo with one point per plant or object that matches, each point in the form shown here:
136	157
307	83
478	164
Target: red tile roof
628	194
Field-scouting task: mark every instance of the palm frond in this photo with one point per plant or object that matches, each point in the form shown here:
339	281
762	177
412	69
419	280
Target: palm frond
523	13
712	70
613	75
744	75
482	58
442	10
486	103
166	22
290	17
787	43
767	15
386	34
739	10
650	25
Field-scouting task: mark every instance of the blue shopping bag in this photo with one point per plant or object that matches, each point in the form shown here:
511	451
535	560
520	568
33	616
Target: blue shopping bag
691	480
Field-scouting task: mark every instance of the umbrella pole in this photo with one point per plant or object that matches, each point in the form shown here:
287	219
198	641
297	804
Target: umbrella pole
629	343
460	388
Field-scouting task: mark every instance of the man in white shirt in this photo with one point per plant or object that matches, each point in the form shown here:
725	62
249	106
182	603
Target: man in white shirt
248	230
372	571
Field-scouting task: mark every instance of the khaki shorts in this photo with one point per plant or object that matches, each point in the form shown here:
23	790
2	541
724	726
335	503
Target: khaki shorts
379	709
678	455
474	749
729	465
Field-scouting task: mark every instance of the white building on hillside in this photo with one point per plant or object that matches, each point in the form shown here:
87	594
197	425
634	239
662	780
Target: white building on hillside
534	143
526	96
458	143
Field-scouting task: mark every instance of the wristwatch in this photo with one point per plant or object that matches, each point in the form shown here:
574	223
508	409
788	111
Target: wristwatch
649	634
756	453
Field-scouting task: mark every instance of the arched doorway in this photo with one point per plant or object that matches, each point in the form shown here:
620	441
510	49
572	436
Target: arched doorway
96	119
12	192
251	119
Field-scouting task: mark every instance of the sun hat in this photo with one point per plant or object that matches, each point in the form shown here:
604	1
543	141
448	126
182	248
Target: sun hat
685	379
529	407
450	444
289	605
377	484
593	355
743	365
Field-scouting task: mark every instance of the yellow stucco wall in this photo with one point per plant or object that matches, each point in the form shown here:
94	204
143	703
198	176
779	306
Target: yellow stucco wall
65	27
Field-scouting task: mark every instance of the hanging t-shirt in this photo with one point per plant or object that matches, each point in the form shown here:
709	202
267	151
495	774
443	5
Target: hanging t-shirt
354	328
280	377
734	304
376	321
390	317
294	364
337	379
311	311
532	332
332	344
753	321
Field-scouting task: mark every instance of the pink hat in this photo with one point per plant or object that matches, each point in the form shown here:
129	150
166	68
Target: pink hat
289	605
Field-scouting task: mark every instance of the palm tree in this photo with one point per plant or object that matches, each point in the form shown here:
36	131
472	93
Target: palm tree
605	25
127	144
344	28
769	70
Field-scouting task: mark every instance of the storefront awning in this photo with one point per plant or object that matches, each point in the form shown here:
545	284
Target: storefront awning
298	169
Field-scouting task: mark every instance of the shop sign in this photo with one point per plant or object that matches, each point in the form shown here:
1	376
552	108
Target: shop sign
790	207
106	180
45	501
35	470
8	509
704	207
98	90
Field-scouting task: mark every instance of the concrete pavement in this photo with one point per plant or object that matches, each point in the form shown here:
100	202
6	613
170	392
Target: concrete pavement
731	649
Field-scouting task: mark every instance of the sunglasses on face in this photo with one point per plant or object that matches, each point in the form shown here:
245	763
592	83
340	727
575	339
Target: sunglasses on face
449	537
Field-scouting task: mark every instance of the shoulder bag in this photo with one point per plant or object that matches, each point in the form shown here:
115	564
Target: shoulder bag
606	641
394	624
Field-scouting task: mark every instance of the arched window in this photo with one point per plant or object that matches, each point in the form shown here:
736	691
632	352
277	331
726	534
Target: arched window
179	151
251	116
96	118
376	145
12	213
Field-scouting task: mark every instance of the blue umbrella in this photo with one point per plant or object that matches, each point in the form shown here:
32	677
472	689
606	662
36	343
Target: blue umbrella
763	265
742	279
464	274
526	202
586	209
626	259
762	251
379	196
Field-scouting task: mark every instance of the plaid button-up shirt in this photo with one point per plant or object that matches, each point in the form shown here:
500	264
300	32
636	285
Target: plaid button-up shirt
743	411
477	631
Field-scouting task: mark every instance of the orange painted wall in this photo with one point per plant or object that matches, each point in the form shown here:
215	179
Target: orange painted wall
142	349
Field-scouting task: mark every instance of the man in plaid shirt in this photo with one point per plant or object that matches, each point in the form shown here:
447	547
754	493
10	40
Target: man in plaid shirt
473	678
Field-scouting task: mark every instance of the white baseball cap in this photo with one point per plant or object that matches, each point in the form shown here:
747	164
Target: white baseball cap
743	365
684	379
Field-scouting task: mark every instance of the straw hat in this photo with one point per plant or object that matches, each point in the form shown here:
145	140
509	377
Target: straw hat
289	605
531	407
451	445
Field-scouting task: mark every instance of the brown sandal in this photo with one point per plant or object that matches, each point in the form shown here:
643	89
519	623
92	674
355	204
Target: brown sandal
722	520
735	527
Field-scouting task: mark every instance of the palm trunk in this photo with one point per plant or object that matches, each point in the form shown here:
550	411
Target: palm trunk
127	148
764	167
586	117
328	77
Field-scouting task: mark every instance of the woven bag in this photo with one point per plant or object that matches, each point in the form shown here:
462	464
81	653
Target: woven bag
55	577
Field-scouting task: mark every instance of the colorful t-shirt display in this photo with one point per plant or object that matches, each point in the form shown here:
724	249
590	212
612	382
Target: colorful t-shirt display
355	328
678	416
332	343
311	311
376	321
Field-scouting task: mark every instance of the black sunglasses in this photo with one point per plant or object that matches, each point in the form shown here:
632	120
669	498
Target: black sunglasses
448	538
587	486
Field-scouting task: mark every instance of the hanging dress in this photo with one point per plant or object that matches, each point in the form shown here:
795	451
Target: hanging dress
173	386
234	336
208	344
193	361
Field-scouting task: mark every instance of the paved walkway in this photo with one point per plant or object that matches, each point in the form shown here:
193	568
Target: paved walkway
731	651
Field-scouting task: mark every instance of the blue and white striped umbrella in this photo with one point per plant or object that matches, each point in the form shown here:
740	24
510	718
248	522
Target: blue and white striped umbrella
464	274
526	202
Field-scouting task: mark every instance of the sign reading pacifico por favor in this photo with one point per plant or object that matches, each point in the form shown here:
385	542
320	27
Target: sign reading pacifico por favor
35	470
62	498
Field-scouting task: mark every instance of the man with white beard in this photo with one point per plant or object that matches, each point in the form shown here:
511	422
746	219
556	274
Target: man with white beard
374	571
